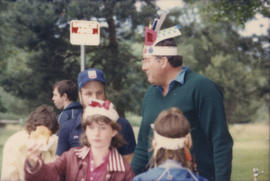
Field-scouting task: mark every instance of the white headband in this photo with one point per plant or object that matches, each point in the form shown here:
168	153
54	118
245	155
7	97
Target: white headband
160	50
168	143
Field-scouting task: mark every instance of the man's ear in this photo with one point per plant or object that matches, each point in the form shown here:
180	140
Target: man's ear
164	62
65	96
80	96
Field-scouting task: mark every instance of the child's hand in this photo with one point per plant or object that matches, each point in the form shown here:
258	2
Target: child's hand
33	153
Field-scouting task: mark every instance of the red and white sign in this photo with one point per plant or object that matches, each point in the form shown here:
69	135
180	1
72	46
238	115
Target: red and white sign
84	32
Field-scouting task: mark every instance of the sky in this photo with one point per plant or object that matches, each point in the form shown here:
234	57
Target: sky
258	25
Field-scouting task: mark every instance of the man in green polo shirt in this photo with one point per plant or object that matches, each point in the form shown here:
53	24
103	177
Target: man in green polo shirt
199	98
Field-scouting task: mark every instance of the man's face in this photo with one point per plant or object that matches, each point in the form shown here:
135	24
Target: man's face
57	99
151	67
92	90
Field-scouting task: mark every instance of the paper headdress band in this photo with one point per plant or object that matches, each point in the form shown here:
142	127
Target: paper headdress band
154	36
168	143
160	50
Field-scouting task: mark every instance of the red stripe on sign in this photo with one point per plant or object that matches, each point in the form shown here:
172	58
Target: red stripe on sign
75	29
95	30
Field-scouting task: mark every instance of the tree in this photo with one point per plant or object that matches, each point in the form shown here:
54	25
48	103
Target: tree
38	39
236	11
41	28
215	49
264	89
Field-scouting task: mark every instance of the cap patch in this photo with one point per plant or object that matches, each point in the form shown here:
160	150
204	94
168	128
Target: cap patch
92	74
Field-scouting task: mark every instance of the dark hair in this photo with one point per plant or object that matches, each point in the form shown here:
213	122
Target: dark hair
175	61
171	123
42	115
68	87
117	141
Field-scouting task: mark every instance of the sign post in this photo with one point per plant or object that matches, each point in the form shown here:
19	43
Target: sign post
83	33
82	57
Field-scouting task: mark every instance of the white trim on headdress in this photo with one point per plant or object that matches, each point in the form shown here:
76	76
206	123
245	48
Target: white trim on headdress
160	21
168	33
160	50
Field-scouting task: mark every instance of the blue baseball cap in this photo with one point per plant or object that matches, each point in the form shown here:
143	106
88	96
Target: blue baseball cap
88	75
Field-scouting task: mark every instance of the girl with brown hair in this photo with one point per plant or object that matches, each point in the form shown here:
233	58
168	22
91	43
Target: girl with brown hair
169	160
96	159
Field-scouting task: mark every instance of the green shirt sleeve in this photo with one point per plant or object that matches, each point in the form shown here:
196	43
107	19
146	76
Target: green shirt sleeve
213	122
140	158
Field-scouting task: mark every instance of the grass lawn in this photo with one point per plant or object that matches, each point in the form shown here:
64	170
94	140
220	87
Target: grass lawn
250	150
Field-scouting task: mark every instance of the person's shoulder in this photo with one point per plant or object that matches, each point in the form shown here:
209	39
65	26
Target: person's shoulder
150	88
151	174
123	122
74	151
71	112
18	136
17	140
201	83
72	122
64	116
150	91
74	105
116	160
197	78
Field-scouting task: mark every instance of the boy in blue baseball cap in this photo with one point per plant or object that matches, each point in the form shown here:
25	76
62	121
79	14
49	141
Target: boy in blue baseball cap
91	85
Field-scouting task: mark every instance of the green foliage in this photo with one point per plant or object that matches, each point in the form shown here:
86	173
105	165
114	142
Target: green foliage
234	11
134	119
13	107
238	11
233	62
37	51
43	27
237	81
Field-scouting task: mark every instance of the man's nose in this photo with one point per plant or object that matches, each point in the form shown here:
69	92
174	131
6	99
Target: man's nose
144	66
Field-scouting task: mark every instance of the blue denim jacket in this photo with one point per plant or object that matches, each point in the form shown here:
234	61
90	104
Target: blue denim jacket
170	170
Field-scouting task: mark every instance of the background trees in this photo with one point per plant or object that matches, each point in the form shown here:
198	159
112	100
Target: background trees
40	29
36	50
